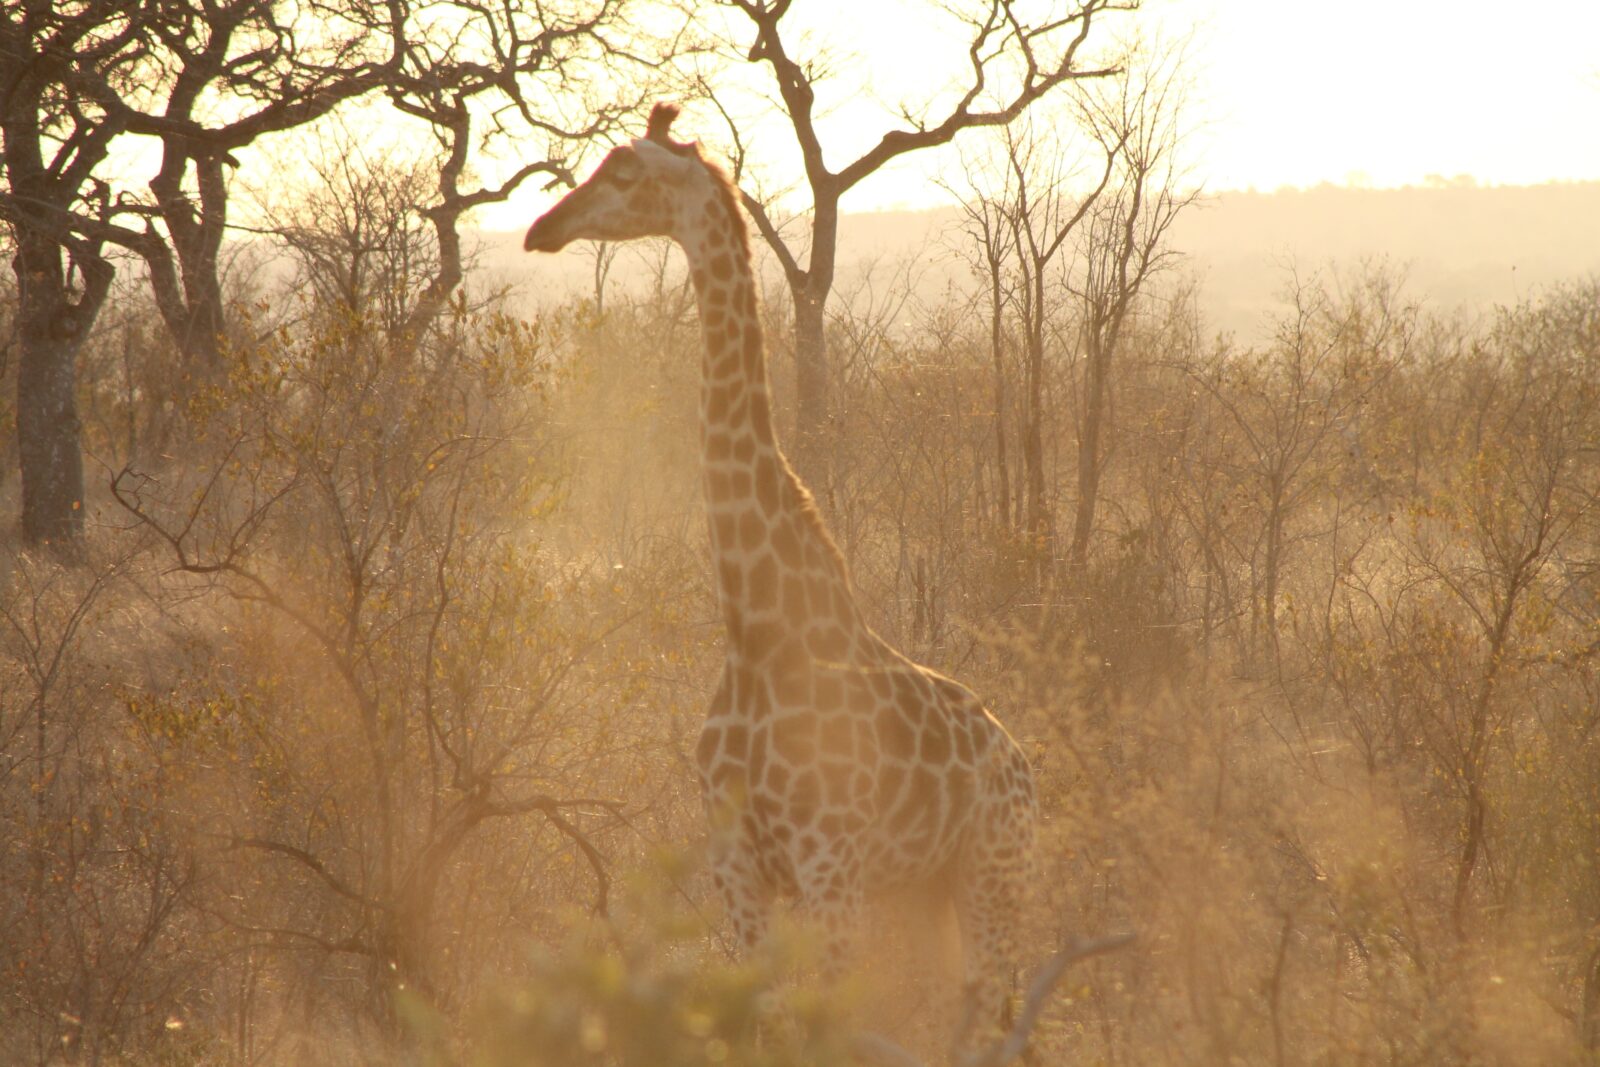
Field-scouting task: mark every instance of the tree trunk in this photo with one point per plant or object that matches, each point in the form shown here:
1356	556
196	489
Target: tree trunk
194	318
1038	518
37	199
812	407
51	328
1474	762
997	348
1033	451
1274	563
814	430
1096	373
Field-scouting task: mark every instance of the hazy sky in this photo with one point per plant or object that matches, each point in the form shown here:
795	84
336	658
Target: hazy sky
1304	91
1285	92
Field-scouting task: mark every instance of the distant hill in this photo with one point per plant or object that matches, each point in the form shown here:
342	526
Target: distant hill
1462	247
1466	247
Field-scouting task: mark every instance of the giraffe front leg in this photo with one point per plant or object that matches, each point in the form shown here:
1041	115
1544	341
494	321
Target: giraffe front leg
748	901
831	899
744	895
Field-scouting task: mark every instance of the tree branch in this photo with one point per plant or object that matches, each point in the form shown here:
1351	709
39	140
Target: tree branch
305	859
877	1049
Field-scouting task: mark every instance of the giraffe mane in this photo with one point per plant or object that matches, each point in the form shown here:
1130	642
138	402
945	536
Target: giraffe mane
811	515
661	118
728	195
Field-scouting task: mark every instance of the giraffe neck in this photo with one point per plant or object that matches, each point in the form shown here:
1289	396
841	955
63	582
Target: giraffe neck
766	535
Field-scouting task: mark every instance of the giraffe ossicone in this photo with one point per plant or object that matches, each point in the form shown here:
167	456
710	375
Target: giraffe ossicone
831	765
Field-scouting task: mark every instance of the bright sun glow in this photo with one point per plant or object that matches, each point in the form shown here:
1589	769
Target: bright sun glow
1389	92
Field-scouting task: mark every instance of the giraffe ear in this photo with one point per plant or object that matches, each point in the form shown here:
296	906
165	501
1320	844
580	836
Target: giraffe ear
661	119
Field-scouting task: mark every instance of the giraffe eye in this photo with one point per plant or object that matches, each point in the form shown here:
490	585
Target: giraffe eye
624	171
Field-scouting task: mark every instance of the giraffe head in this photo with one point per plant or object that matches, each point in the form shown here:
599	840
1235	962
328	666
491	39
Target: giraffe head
639	190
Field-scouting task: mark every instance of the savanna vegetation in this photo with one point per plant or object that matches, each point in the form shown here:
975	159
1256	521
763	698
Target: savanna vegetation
349	688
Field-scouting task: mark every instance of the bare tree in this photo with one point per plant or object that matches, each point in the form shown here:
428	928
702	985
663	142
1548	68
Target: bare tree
1289	406
499	81
249	54
1137	121
53	141
992	251
83	77
205	82
1042	213
358	235
1091	225
1002	38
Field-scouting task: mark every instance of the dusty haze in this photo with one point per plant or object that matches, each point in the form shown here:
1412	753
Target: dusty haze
360	615
1459	246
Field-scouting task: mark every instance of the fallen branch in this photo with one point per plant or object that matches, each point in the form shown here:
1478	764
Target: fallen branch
876	1049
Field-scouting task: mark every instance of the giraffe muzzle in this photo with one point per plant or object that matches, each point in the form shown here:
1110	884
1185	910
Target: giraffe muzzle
545	235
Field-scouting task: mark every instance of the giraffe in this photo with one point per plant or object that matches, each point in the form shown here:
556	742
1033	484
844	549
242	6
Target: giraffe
831	766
